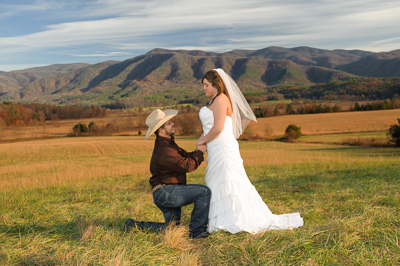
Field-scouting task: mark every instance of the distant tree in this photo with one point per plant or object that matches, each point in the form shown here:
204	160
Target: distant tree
357	107
292	132
336	108
92	127
276	111
289	109
394	133
258	112
79	129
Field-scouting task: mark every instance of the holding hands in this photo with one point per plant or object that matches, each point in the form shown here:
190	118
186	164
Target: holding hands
201	145
200	141
202	148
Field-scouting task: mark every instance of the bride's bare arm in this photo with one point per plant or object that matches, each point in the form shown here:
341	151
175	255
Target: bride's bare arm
219	108
201	137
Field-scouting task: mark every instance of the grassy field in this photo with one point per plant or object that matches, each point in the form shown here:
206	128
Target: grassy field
266	128
329	123
64	201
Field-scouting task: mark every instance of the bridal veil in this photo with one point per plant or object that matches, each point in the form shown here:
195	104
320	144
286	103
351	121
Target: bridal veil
242	113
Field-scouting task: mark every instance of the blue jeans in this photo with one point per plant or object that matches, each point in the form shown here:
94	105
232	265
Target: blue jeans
171	198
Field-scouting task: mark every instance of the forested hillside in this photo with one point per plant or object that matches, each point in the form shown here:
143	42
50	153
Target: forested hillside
165	77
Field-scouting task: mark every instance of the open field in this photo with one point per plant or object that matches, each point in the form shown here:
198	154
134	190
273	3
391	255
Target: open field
61	128
266	128
373	139
329	123
64	201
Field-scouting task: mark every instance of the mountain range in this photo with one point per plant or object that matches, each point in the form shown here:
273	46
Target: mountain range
174	76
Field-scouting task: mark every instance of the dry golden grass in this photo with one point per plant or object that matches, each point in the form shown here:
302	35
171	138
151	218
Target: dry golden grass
54	162
189	258
61	128
177	237
256	153
70	160
311	124
329	123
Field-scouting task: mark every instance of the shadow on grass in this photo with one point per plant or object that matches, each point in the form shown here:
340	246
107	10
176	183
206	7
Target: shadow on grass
71	230
385	152
86	203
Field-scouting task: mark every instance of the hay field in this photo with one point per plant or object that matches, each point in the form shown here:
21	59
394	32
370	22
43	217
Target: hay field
61	128
64	201
328	123
271	127
53	162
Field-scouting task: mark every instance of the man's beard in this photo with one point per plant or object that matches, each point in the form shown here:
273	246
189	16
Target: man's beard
171	133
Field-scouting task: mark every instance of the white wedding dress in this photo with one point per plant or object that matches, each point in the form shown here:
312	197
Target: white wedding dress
235	203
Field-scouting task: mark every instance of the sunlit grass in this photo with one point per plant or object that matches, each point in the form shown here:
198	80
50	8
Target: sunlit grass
64	202
329	123
62	161
266	128
377	138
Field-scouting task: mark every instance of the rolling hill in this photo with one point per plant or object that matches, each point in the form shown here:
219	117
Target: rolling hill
162	76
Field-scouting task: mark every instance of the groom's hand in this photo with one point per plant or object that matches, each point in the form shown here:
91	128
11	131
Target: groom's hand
202	148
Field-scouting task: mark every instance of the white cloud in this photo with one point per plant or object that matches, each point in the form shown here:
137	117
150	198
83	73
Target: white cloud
11	67
124	27
101	54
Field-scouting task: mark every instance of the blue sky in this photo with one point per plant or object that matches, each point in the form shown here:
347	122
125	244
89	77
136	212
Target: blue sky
44	32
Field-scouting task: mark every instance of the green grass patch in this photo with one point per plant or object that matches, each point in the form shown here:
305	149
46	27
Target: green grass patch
348	197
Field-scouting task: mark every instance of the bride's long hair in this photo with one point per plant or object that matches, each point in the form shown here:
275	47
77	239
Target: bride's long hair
216	81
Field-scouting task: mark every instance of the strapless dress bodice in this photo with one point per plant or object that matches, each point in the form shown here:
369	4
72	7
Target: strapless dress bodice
207	120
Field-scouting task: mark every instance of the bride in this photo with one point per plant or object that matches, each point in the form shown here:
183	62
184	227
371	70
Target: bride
235	203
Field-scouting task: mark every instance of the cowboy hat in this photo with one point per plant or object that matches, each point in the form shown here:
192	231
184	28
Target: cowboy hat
157	118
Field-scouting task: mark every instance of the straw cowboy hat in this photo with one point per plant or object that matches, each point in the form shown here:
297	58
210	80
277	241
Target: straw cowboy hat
157	118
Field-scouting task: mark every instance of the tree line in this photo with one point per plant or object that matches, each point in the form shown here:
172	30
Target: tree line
315	108
12	114
356	89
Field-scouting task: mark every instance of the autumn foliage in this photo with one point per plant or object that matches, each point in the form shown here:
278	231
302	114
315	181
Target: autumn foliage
28	114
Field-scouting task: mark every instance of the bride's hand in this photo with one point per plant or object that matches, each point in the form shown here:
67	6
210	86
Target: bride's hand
202	148
200	141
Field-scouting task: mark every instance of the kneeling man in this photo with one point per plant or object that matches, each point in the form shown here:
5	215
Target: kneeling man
168	166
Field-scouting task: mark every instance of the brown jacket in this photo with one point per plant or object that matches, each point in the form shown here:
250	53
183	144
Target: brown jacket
170	163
